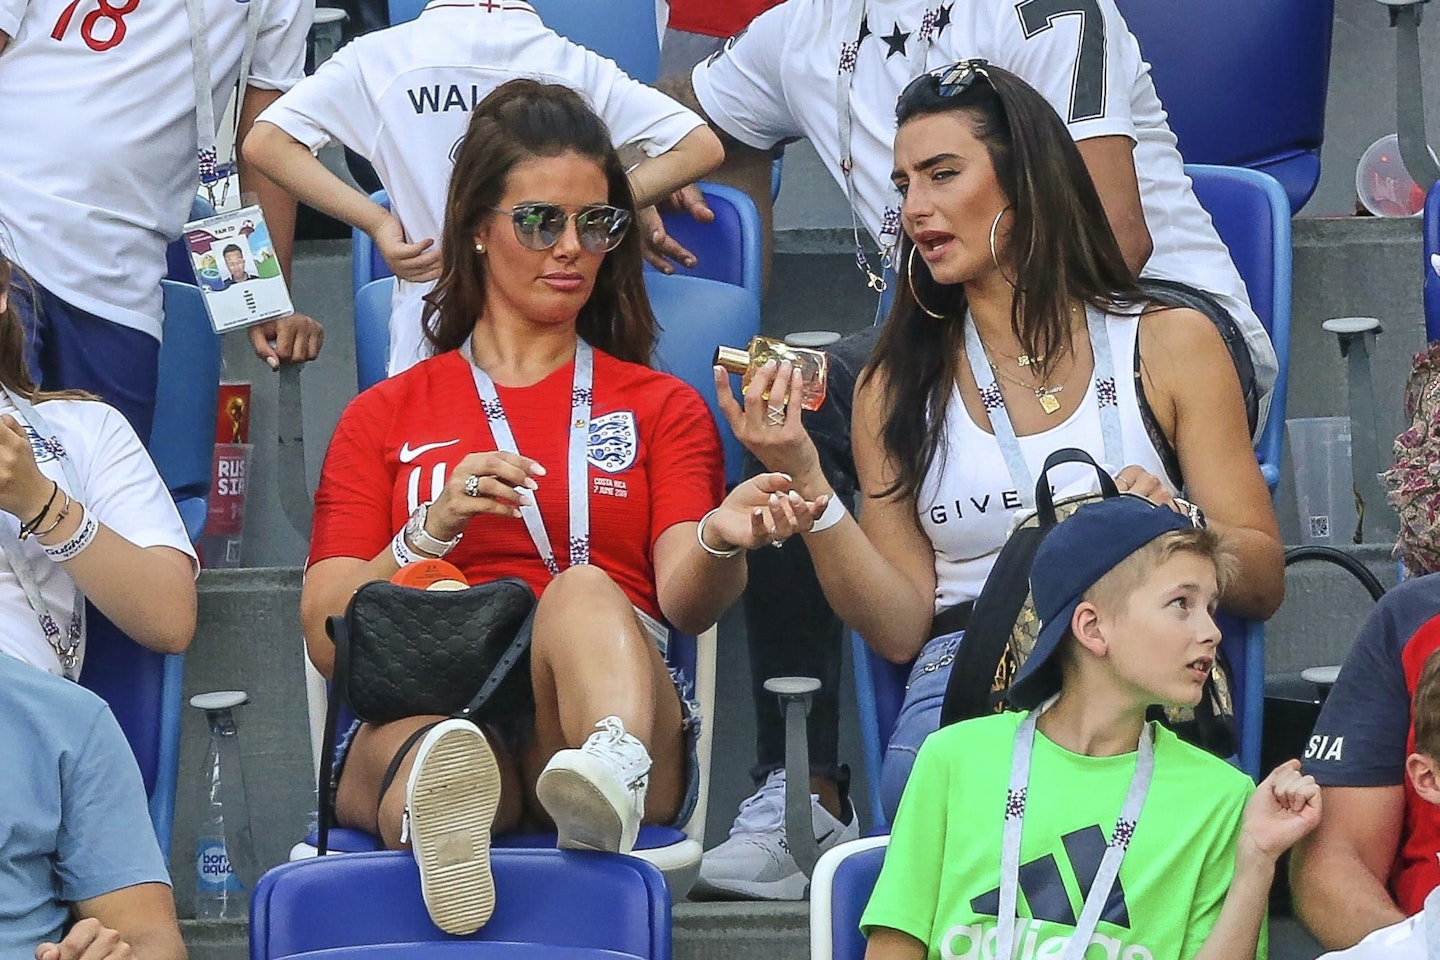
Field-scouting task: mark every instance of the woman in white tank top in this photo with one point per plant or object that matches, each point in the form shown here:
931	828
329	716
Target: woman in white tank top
1017	330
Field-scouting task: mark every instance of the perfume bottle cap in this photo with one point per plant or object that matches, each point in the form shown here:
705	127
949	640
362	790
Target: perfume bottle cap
733	360
811	339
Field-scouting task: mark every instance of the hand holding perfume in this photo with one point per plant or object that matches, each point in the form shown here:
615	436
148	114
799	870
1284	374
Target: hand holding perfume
812	364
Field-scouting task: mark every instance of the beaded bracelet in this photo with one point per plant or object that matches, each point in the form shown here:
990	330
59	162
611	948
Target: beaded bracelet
26	529
70	547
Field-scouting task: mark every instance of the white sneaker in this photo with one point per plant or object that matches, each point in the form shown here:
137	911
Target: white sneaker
596	794
755	862
450	804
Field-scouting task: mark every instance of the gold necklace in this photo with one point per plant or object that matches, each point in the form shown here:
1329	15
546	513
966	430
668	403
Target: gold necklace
1044	394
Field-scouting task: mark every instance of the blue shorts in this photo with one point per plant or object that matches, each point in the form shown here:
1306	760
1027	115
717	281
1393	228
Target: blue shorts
514	733
69	349
918	718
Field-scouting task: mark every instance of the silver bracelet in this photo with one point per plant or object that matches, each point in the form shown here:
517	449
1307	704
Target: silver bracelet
70	547
831	515
401	551
700	536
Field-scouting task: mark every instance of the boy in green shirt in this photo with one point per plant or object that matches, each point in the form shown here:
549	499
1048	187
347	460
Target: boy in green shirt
1049	834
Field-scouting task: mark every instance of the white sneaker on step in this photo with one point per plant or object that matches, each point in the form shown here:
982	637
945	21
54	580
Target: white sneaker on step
755	862
450	803
596	793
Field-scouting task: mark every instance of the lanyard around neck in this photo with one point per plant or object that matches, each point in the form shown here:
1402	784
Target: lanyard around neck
994	403
845	80
1431	909
206	130
66	644
1109	870
581	395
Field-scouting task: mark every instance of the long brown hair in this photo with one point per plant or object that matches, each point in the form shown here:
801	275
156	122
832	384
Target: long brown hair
518	121
14	372
1060	250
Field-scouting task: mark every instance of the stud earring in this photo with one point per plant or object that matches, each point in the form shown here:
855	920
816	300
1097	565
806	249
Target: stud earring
479	248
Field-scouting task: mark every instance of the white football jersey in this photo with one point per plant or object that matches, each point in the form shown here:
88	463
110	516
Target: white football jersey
97	139
777	80
402	98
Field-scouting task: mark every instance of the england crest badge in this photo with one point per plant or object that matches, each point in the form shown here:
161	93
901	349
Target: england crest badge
614	441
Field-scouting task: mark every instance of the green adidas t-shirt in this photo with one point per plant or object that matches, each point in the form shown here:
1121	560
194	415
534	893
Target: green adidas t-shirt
941	878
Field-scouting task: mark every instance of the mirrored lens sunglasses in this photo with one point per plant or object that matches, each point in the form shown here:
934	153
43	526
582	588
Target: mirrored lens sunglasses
539	226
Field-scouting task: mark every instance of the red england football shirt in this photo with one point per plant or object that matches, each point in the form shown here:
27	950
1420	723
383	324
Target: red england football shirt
716	18
654	461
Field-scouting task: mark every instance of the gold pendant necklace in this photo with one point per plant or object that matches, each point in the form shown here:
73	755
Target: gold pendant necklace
1044	394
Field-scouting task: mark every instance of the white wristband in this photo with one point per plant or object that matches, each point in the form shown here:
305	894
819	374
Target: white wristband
700	535
401	551
830	516
70	547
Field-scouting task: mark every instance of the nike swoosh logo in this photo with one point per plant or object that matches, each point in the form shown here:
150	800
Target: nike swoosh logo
407	454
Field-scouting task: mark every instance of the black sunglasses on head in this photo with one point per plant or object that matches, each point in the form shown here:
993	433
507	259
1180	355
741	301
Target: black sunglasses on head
950	80
539	226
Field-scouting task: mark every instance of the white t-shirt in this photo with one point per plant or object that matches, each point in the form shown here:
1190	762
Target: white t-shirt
97	146
121	489
402	98
777	80
1399	941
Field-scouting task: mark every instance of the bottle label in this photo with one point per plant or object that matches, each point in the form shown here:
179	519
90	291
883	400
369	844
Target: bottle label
212	868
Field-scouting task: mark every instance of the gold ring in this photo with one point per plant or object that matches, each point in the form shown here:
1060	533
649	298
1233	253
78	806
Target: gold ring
776	416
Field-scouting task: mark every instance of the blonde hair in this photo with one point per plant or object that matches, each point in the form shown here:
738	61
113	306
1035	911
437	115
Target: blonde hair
1113	590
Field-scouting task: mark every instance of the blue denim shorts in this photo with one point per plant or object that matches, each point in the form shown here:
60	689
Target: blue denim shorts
919	716
514	733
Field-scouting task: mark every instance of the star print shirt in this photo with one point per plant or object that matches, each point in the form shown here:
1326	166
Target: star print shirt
941	879
654	461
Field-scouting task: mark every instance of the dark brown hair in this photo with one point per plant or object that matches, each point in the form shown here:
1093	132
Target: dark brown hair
1060	250
14	372
521	120
1425	710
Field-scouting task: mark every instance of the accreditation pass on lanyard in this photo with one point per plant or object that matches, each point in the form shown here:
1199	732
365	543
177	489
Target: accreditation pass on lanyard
1119	841
577	462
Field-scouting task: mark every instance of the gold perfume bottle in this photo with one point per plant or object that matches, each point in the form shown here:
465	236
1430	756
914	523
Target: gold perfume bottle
813	366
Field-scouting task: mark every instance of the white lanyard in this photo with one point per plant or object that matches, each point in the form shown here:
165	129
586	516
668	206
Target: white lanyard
67	649
845	79
994	403
1115	849
1431	909
581	394
205	128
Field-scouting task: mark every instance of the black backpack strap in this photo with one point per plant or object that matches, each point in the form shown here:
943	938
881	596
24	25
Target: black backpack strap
967	692
1173	293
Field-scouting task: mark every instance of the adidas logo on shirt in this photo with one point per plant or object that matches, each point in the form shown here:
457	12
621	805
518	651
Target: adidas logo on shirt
1044	890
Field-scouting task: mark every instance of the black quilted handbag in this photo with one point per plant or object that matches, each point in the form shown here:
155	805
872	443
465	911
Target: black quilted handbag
404	652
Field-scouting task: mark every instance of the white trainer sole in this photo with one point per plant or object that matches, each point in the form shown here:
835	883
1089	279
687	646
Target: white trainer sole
454	792
573	790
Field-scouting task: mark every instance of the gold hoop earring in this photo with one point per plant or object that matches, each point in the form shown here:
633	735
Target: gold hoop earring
994	226
910	277
480	247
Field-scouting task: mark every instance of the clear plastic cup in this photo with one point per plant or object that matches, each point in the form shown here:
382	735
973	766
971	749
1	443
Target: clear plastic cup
1324	481
1383	184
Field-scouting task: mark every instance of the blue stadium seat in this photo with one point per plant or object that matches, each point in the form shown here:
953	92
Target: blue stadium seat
366	264
564	904
842	883
372	331
1244	83
622	30
727	249
1252	215
143	687
1432	264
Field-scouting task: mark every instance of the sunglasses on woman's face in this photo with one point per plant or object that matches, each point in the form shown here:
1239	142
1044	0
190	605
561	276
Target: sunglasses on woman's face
539	226
951	80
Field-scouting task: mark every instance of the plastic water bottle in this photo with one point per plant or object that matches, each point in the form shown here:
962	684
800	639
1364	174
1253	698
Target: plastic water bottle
223	839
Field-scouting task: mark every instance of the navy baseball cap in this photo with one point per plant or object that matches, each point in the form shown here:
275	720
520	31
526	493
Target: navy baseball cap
1073	555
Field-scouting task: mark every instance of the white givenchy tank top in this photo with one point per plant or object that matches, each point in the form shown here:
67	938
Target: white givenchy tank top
967	502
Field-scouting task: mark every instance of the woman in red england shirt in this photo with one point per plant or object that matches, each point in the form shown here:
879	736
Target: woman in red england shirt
538	443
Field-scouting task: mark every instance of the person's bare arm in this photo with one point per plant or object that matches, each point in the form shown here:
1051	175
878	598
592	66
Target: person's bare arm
696	155
1338	874
887	944
744	168
1111	162
133	922
295	338
1191	383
